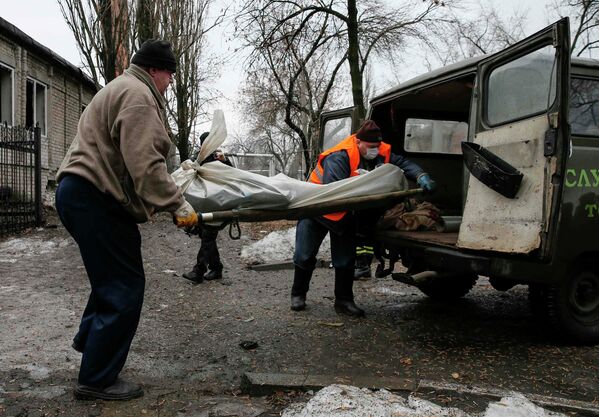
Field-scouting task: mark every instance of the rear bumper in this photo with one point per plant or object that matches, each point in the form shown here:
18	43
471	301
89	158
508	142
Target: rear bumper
523	269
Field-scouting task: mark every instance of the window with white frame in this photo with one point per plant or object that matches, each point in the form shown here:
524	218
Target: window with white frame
35	105
6	95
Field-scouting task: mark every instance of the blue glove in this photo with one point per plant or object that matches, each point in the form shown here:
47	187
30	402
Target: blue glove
426	183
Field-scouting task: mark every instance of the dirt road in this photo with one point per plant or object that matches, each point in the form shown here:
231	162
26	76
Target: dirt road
187	350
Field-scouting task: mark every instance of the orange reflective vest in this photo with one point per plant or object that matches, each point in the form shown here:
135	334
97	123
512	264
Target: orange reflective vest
350	146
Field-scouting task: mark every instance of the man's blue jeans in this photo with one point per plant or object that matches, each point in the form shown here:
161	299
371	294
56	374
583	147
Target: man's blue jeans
110	246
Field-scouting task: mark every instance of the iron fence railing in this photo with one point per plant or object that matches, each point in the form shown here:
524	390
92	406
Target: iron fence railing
20	178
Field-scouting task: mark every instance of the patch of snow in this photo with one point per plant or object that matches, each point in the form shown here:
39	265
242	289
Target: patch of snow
278	246
8	261
36	373
8	289
45	393
348	401
517	405
29	246
386	291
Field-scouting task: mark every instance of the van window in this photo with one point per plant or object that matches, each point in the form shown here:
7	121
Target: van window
584	107
521	88
335	131
437	136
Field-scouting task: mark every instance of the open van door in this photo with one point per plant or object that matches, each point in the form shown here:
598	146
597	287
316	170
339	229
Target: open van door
335	126
520	121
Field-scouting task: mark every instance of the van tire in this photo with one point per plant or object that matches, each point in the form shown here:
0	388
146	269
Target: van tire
537	298
448	288
573	305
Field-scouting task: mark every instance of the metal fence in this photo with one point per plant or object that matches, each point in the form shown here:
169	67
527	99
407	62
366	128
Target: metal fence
20	178
259	163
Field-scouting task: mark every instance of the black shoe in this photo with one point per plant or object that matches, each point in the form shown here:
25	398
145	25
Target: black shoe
214	274
362	272
120	390
348	307
298	302
195	276
77	346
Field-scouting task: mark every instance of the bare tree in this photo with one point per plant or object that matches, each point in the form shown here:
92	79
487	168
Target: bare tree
304	45
102	31
147	20
584	17
464	36
358	28
184	23
107	30
265	113
290	81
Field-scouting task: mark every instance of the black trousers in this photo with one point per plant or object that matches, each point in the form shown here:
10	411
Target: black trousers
309	236
366	246
208	256
110	246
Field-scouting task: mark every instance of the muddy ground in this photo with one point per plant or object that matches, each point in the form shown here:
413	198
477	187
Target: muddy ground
187	350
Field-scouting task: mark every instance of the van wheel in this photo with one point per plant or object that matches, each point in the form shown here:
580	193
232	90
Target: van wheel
537	298
448	288
573	305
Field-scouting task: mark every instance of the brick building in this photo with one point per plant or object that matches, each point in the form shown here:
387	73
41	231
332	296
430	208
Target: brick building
39	87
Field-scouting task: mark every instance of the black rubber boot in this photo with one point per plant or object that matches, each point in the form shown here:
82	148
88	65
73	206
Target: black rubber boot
344	293
348	307
196	275
301	285
362	269
120	390
298	302
214	274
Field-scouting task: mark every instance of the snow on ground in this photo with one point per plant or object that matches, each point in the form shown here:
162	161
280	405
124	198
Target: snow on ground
348	401
278	246
13	249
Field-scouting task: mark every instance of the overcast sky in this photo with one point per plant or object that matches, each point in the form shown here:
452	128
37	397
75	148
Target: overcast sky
43	21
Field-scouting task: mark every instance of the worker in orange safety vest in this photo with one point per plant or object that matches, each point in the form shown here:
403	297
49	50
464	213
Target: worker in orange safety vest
363	150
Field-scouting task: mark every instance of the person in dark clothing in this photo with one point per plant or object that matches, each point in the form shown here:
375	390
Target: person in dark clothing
361	151
208	265
113	177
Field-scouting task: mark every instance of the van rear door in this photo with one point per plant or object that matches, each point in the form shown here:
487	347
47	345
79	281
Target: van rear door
521	96
335	126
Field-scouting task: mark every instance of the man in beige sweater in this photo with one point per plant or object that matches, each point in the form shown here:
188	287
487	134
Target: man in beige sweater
113	177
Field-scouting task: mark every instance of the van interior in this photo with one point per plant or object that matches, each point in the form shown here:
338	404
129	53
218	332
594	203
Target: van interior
427	126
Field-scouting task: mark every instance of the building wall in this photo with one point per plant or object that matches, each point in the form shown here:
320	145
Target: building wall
66	96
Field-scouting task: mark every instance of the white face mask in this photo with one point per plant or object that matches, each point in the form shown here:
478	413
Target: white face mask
371	153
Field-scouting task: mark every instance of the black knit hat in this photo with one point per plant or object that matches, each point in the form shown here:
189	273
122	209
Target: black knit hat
203	137
155	53
369	132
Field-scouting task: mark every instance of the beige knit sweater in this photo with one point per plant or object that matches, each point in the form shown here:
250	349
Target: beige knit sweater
121	146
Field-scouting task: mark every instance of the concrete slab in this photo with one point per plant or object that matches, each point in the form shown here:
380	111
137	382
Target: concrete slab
280	266
490	393
266	383
259	384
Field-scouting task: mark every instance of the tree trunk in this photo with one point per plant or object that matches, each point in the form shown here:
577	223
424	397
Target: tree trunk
120	33
147	25
109	51
353	58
